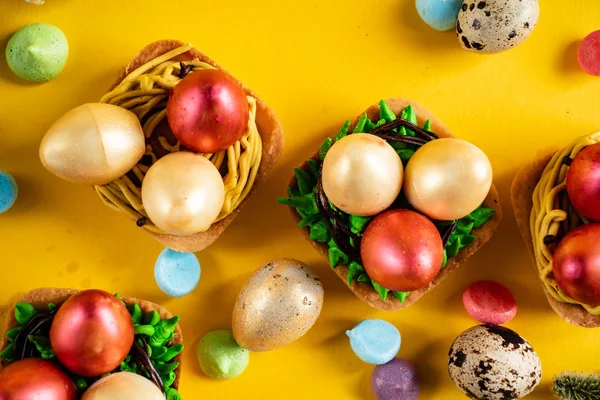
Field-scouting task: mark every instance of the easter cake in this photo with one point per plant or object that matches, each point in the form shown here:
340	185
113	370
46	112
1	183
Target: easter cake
348	234
556	201
72	334
177	145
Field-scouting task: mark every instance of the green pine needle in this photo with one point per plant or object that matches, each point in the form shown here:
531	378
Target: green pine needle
577	386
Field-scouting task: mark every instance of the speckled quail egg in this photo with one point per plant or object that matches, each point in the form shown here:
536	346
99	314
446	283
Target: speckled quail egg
490	362
493	26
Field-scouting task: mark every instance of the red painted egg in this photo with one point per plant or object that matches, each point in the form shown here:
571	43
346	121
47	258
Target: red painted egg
208	111
576	264
402	250
583	182
92	333
35	379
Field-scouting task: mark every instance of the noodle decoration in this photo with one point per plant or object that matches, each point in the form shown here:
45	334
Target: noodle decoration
553	215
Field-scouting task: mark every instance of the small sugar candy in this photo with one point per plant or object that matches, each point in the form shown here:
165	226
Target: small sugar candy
8	191
176	274
375	341
37	52
220	356
395	380
489	302
588	53
441	15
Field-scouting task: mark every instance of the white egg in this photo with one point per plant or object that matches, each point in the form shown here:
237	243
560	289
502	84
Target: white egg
123	386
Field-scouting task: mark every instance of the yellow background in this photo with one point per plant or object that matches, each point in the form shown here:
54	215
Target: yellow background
316	63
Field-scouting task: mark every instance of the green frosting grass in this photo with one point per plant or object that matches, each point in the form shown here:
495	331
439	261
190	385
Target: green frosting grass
303	200
156	332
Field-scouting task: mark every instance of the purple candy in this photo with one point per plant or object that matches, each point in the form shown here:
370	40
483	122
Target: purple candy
396	380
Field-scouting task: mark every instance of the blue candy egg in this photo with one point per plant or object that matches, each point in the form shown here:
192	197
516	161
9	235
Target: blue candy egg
8	191
177	274
375	341
439	14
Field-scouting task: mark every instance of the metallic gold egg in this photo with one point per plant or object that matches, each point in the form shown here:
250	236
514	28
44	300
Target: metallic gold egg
447	179
280	302
94	143
183	193
362	174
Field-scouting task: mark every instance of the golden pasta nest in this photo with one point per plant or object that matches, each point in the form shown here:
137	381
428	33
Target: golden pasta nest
145	92
553	215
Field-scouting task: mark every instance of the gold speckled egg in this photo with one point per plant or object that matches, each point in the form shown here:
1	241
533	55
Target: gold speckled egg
280	302
94	143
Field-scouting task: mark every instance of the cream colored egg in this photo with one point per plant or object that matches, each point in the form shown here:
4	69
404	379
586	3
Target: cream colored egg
183	193
447	179
94	143
123	386
362	174
280	302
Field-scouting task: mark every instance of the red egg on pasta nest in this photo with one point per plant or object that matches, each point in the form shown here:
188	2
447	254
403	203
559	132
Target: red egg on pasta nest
208	111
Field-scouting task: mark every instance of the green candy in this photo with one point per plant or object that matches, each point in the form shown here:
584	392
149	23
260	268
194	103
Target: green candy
37	52
220	356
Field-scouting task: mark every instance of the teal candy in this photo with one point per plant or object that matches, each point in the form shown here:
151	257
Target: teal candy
8	191
375	341
177	274
441	15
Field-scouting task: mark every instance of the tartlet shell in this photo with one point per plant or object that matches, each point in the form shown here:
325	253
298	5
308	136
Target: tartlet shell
40	298
365	291
269	129
521	194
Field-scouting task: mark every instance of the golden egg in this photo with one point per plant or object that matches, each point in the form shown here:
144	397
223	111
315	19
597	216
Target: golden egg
123	386
94	144
362	174
447	179
183	193
280	302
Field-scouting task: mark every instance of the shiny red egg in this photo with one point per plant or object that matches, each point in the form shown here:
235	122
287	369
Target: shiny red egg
583	182
35	379
92	333
208	111
402	250
576	264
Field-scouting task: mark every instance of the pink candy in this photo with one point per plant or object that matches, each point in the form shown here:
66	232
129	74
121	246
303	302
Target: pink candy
489	302
588	53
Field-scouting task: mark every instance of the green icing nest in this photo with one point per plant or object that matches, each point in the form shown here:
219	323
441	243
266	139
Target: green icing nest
304	201
152	334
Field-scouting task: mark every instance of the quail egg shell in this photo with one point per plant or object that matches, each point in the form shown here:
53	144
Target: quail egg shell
493	363
280	302
493	26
